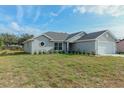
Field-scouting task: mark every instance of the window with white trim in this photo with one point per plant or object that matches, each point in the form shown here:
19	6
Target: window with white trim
58	46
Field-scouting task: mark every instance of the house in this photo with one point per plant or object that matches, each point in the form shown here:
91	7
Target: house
102	42
120	46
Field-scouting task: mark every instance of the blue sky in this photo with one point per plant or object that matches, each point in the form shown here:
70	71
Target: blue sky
39	19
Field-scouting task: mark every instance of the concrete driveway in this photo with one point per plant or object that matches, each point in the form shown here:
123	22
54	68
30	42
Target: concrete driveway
115	55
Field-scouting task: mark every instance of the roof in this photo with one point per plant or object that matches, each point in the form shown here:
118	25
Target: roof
57	36
93	35
73	34
28	40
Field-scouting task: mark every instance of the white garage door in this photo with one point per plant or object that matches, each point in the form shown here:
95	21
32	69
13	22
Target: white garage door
106	48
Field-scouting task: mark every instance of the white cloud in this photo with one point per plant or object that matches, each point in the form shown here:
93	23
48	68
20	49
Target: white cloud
82	10
101	10
62	8
20	13
32	30
37	15
118	31
15	26
53	14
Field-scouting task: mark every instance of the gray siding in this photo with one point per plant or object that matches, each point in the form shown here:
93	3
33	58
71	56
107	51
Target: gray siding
36	47
87	46
106	38
28	47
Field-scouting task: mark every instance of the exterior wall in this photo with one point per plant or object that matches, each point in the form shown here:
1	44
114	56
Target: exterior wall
120	46
48	45
87	46
107	39
28	47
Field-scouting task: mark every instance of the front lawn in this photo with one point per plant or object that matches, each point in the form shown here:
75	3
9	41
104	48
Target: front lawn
61	70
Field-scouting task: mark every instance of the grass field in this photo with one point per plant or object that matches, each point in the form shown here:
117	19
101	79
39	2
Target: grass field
61	70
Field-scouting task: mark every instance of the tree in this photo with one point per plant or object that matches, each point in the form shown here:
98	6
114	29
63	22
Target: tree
1	43
8	39
23	38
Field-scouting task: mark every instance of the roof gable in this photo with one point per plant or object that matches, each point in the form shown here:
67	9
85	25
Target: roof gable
93	35
75	36
79	36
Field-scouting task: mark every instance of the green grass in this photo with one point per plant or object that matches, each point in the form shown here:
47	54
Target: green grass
61	70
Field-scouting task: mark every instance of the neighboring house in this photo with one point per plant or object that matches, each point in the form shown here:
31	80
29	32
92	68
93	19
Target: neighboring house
102	42
120	46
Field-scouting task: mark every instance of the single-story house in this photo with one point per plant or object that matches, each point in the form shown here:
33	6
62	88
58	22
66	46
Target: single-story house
101	42
120	46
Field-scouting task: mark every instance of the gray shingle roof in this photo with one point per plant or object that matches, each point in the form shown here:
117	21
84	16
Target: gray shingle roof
57	36
73	34
93	35
64	36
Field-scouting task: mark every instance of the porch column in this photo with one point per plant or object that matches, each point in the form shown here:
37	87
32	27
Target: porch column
67	46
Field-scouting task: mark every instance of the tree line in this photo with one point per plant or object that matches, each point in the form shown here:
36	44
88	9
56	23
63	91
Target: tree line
7	39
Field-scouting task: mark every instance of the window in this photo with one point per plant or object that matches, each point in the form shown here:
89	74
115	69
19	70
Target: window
58	46
42	43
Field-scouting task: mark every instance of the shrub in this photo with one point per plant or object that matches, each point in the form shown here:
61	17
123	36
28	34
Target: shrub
40	52
35	53
88	53
54	51
69	52
44	52
50	52
83	52
79	52
63	52
92	53
72	52
76	52
120	52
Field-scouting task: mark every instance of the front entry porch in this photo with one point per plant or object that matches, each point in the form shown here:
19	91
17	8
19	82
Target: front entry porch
69	47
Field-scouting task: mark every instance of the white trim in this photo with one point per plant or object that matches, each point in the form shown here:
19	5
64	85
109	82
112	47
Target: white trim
57	40
106	41
102	34
43	35
107	31
69	40
58	46
29	40
96	47
86	40
47	36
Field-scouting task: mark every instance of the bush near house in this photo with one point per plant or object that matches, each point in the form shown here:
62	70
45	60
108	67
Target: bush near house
120	52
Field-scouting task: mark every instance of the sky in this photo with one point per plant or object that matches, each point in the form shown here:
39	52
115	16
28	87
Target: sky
39	19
